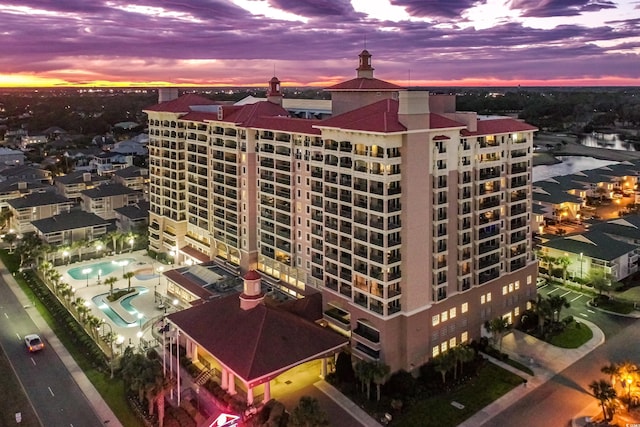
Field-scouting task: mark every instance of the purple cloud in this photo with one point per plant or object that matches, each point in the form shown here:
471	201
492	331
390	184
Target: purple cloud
548	8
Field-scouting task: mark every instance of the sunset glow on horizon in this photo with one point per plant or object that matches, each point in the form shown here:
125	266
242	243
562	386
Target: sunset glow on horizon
232	43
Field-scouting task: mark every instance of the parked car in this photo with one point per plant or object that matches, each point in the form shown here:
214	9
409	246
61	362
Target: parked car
33	343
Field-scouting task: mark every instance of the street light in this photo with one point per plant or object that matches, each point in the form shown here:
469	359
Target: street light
581	276
111	339
140	316
86	272
155	295
139	335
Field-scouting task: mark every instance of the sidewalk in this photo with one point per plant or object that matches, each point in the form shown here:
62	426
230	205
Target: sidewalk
100	407
544	359
345	403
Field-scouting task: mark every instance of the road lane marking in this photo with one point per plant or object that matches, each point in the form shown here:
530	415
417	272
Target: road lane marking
51	391
550	292
590	311
582	314
578	297
6	315
33	361
18	335
566	293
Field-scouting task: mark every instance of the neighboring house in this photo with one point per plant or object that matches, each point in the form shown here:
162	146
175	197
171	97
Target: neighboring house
9	157
15	189
108	162
594	249
36	206
26	173
103	199
130	147
133	177
132	217
71	227
33	139
72	184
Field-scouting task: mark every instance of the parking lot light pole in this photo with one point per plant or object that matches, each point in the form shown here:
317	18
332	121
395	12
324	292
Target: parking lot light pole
581	276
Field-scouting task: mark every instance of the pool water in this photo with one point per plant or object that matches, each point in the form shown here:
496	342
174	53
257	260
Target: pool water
99	268
101	302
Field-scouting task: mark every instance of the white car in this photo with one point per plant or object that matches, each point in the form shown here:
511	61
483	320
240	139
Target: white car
33	343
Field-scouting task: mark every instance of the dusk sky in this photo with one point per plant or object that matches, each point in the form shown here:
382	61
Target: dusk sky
317	42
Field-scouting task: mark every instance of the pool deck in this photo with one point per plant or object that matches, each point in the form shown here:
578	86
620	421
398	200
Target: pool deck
143	303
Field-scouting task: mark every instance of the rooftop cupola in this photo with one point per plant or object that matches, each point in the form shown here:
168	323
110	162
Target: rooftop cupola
274	95
251	295
365	70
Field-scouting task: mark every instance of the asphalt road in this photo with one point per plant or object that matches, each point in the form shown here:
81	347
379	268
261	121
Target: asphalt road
567	395
54	394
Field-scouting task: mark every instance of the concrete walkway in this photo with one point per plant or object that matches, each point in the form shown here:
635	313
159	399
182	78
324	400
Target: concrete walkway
544	359
100	407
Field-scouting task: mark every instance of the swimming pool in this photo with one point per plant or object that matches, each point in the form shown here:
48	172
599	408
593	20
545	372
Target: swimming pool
91	271
101	302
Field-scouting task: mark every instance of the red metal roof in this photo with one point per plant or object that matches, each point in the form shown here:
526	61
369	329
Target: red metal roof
364	84
194	253
186	283
263	342
381	116
500	125
287	124
252	275
181	104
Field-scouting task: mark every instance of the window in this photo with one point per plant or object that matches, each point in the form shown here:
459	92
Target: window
444	316
452	342
452	313
464	307
435	320
516	311
504	290
488	296
510	287
529	279
464	337
435	351
517	284
482	299
443	346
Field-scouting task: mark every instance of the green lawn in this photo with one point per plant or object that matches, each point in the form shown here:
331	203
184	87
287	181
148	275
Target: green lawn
491	383
574	335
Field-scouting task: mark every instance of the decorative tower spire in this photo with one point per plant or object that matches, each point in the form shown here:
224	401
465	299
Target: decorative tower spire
274	95
365	70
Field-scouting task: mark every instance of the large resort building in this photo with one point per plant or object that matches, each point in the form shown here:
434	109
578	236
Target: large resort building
411	218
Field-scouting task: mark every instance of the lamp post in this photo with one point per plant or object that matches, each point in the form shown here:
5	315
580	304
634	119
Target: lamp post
111	338
139	335
581	276
160	269
86	272
140	316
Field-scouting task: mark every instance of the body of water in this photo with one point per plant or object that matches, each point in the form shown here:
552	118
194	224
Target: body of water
569	165
92	271
101	302
611	141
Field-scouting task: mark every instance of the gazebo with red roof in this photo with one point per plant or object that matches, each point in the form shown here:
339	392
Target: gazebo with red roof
252	342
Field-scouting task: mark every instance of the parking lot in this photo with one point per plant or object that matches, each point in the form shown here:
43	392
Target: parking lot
577	300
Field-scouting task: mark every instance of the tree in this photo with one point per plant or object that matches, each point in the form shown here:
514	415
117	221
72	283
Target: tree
443	363
564	262
605	393
5	217
542	309
497	327
28	247
599	279
556	304
111	280
10	238
379	372
364	374
128	275
344	367
308	413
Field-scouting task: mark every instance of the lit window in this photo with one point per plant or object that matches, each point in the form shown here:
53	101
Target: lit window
444	316
452	342
482	299
452	313
435	320
504	290
488	296
465	307
516	311
528	305
443	346
464	337
510	287
435	351
517	285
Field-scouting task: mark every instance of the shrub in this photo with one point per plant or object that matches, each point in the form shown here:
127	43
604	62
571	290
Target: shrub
400	384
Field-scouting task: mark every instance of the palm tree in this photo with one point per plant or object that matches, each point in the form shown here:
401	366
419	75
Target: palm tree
465	354
556	304
10	238
364	373
599	279
379	372
443	364
497	327
613	370
111	280
564	262
542	309
308	413
128	275
605	393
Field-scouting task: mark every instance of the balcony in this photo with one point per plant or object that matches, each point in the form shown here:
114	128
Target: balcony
338	317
